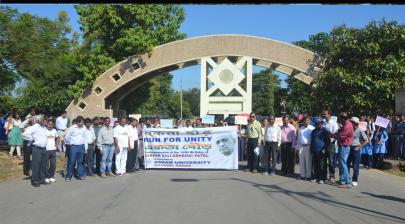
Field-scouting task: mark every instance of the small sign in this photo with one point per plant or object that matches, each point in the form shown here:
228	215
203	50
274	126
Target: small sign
208	119
112	121
382	122
136	116
333	118
363	125
241	120
166	123
279	121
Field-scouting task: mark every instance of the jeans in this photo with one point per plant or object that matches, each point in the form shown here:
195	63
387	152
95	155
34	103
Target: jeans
38	165
287	162
305	157
132	160
252	162
319	159
354	158
75	157
106	160
90	160
344	152
50	163
26	157
269	159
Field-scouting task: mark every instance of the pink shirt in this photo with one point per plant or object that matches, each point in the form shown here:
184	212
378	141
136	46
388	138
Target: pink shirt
288	134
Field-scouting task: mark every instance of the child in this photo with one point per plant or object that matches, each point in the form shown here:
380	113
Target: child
381	137
367	151
53	141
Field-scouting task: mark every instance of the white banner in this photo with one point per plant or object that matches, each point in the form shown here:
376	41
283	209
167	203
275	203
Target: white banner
187	148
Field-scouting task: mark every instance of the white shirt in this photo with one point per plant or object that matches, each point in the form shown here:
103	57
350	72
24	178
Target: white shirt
61	123
36	134
51	135
133	135
122	136
91	136
304	135
332	127
77	136
273	134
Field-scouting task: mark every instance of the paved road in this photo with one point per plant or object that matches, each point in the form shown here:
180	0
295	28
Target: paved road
167	196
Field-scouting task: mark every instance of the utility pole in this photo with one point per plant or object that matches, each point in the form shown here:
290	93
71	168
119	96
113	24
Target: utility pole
181	99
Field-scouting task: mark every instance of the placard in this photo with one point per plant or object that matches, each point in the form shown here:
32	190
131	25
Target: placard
208	119
363	125
136	116
382	122
279	121
333	118
166	123
241	120
202	148
112	121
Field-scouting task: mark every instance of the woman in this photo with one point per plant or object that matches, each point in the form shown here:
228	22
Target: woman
381	137
367	151
15	140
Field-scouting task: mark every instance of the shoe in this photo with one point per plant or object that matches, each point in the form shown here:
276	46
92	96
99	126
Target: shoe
36	185
300	178
254	171
67	179
47	180
354	183
246	170
265	173
332	179
313	180
81	178
52	180
343	186
321	182
272	174
103	175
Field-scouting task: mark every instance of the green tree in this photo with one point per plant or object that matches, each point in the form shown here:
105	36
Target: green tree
264	86
362	67
112	33
192	97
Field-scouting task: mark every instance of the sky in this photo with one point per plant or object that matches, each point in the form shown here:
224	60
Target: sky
287	23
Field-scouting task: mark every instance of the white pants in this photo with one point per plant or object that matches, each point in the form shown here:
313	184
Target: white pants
305	161
18	148
121	160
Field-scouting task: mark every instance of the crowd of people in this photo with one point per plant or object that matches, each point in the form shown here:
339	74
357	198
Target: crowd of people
320	145
94	146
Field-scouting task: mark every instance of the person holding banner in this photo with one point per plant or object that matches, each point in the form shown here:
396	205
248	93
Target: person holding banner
254	134
380	149
272	141
122	144
359	141
133	160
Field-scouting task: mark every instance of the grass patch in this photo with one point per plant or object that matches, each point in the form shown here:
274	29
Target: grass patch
395	171
10	168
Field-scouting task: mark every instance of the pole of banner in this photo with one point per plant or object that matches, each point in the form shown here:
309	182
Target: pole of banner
181	99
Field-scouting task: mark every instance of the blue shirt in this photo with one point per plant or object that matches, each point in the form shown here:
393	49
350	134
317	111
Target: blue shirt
319	139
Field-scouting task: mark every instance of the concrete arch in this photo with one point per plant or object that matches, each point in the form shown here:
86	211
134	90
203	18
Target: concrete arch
118	81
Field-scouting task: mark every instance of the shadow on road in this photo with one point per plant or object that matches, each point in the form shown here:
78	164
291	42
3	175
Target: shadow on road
386	197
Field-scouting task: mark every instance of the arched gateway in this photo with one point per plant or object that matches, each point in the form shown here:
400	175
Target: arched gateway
234	55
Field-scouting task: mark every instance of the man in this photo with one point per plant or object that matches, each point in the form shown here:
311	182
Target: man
359	141
91	145
226	144
272	141
31	114
77	138
178	124
97	125
288	138
198	123
122	143
37	134
331	157
303	145
105	142
188	124
254	134
156	123
51	148
320	139
27	124
345	139
61	124
401	136
147	124
133	160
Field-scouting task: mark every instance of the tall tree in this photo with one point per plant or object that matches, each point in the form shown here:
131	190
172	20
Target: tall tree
112	33
264	86
192	97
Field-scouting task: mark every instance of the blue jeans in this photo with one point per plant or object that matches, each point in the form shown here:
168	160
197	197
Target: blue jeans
106	161
344	152
354	158
76	155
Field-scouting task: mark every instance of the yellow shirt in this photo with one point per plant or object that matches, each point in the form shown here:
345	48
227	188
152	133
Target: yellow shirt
254	130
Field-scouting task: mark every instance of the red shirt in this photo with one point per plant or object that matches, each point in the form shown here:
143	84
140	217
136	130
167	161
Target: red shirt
345	134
